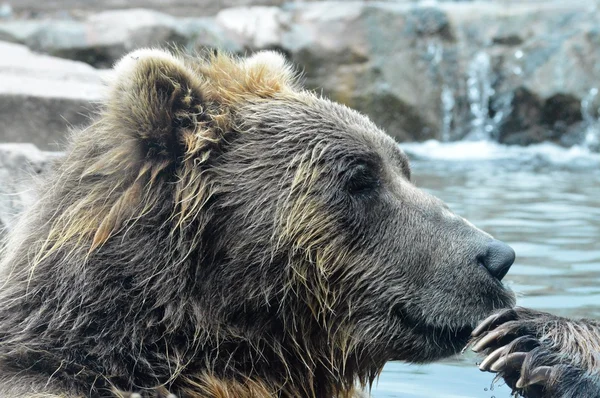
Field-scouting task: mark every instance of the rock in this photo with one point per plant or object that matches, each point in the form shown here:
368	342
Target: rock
508	40
522	125
561	110
545	60
339	48
516	72
101	39
25	158
448	71
41	96
429	22
5	11
111	34
19	165
206	33
20	31
254	27
195	8
370	57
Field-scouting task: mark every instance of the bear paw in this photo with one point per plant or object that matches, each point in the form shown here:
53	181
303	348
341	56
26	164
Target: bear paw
540	355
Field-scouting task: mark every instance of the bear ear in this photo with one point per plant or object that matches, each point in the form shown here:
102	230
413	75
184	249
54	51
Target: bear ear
172	109
273	65
232	81
156	100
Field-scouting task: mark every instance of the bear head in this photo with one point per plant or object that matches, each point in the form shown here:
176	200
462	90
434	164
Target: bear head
219	219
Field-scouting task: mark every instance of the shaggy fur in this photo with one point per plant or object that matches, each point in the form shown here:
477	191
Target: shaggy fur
541	355
220	232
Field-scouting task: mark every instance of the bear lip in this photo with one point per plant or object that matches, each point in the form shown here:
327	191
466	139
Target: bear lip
450	339
434	329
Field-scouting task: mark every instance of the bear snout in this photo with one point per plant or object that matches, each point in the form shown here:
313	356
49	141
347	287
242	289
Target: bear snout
497	258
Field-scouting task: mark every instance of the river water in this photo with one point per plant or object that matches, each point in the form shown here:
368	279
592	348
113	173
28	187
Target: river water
542	200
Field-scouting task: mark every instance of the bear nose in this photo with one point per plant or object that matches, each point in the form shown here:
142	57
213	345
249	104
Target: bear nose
498	258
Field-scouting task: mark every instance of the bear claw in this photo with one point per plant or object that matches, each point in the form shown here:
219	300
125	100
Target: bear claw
514	360
494	320
492	358
539	376
488	340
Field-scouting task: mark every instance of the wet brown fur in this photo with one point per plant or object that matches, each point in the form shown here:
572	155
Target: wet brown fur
166	253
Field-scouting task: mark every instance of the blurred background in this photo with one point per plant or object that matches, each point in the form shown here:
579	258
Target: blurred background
495	101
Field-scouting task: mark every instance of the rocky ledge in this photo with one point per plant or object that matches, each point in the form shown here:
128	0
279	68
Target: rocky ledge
20	164
517	72
42	96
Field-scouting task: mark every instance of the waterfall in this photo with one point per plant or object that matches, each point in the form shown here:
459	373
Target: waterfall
448	103
480	120
435	54
591	119
479	93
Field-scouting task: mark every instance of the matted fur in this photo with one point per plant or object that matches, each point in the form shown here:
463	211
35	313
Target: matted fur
218	231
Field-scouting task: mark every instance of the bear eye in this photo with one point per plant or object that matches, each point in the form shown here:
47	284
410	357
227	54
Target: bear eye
362	178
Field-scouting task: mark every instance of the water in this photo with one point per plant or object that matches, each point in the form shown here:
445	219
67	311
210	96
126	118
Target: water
448	104
480	92
542	200
590	112
486	109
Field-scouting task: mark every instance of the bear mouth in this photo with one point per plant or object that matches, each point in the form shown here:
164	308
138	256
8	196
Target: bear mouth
458	333
435	341
454	331
455	327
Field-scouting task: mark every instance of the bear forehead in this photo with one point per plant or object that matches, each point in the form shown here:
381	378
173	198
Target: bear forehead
319	119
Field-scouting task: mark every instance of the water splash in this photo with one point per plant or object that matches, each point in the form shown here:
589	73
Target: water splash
435	54
576	157
435	51
448	103
479	93
591	117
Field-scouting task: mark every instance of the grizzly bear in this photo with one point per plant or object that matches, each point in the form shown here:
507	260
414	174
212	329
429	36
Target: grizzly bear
218	231
541	355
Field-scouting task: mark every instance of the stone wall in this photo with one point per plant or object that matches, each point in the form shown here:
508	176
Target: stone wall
516	72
